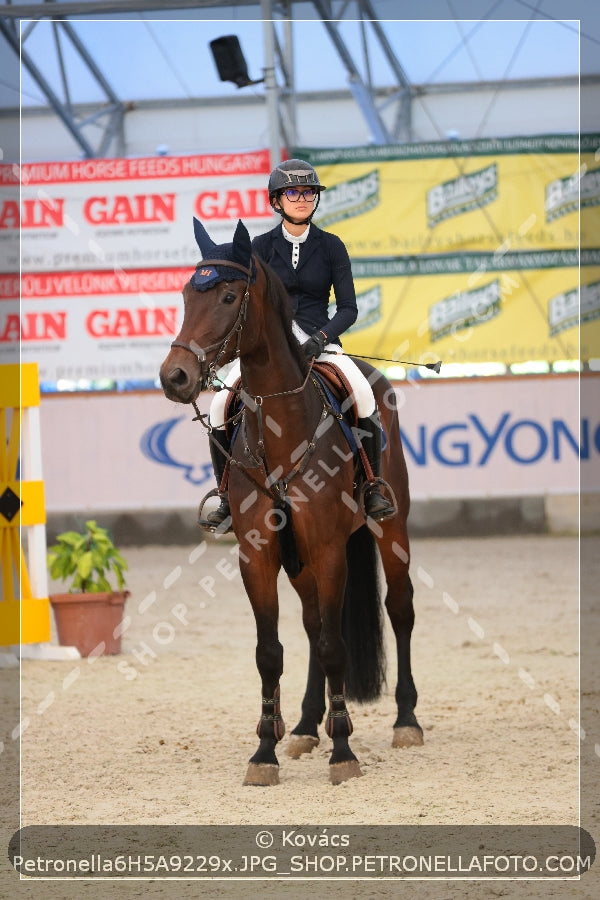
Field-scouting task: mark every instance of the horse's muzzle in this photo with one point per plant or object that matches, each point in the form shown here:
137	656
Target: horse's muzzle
179	383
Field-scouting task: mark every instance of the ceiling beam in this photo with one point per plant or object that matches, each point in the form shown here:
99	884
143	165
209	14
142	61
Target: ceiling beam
63	8
278	101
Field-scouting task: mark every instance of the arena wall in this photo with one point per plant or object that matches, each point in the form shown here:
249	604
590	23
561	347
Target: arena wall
485	456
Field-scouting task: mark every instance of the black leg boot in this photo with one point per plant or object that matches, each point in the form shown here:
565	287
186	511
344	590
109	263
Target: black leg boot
377	506
216	518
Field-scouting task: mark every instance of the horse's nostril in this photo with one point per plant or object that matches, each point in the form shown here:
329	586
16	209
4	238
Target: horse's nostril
178	377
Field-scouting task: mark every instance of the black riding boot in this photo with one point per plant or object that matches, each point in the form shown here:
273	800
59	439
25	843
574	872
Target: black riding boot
219	461
377	506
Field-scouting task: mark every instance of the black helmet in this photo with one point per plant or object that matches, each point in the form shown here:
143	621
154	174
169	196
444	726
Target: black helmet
290	173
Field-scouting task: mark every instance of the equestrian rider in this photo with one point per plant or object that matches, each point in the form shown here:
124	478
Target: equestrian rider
309	262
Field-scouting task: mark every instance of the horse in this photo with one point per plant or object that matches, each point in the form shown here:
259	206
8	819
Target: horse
294	494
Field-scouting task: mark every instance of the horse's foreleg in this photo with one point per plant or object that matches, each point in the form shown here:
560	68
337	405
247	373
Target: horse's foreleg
263	768
399	605
343	764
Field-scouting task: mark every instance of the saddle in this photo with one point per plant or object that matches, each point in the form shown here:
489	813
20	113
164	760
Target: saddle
333	384
336	392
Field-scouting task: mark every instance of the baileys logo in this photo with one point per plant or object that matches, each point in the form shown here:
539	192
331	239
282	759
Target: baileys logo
462	194
369	308
590	188
564	310
562	196
348	199
465	309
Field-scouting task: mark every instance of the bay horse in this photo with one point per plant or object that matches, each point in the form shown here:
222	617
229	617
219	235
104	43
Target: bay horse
295	503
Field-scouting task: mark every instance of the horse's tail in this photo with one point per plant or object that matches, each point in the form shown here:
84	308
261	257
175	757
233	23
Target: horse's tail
362	620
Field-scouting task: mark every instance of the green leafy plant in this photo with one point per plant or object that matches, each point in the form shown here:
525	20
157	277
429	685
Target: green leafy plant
86	559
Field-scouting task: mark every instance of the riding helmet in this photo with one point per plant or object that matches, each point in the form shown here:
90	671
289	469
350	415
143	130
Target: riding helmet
290	173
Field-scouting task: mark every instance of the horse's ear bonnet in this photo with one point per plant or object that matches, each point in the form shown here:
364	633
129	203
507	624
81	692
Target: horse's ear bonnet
240	251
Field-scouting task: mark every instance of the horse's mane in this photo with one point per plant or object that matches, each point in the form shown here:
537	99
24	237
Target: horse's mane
279	300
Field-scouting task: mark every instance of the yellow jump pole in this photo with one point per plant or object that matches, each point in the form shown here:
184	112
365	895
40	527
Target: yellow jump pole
24	604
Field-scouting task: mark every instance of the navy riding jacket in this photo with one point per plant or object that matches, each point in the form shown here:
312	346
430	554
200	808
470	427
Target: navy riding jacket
324	263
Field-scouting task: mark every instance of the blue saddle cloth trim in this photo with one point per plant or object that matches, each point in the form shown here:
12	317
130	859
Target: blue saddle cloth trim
344	421
347	419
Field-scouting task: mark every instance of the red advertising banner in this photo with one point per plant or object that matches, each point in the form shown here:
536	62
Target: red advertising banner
93	325
129	212
106	246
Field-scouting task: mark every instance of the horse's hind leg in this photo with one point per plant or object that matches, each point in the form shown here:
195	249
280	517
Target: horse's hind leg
322	600
305	736
263	768
332	653
343	764
399	605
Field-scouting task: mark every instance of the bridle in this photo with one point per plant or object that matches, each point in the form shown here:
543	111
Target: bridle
278	487
200	352
220	346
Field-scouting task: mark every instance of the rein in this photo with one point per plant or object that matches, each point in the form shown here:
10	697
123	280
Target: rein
277	486
258	398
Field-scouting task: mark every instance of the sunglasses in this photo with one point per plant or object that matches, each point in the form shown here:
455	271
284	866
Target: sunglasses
294	195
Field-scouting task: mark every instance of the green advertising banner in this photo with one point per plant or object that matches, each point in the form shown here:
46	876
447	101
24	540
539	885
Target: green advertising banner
472	251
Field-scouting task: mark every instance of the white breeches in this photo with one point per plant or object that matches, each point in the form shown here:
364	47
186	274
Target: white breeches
361	389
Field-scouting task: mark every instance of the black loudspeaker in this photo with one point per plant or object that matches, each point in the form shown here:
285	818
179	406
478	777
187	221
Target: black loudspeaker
229	60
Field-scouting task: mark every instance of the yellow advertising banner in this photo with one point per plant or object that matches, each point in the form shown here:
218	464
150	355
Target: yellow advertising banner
469	251
479	316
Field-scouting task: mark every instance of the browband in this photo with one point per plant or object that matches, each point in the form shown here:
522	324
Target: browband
230	264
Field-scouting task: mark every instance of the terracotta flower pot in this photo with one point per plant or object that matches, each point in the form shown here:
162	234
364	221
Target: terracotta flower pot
90	622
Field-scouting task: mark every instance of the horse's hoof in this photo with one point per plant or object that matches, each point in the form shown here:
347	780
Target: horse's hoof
408	736
262	774
343	771
301	743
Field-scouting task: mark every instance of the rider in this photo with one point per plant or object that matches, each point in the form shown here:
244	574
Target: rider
309	262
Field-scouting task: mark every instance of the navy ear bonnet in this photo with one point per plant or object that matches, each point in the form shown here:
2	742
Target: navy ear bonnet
240	251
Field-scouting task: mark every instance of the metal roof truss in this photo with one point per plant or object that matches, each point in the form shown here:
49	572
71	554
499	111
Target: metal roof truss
108	118
279	69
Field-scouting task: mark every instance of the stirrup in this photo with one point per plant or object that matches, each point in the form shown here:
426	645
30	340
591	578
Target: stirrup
217	521
376	505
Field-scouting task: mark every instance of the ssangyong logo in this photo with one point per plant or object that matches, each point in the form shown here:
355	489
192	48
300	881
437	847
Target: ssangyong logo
348	199
564	310
462	194
466	309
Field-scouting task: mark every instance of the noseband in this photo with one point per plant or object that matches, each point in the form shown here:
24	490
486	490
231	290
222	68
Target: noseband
200	352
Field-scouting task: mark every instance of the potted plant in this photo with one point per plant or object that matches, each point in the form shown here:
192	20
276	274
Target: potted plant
89	616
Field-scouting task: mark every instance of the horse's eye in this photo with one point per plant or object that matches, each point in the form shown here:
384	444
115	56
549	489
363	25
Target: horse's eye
229	297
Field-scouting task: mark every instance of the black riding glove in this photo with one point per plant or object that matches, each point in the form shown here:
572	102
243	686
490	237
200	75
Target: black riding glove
314	345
